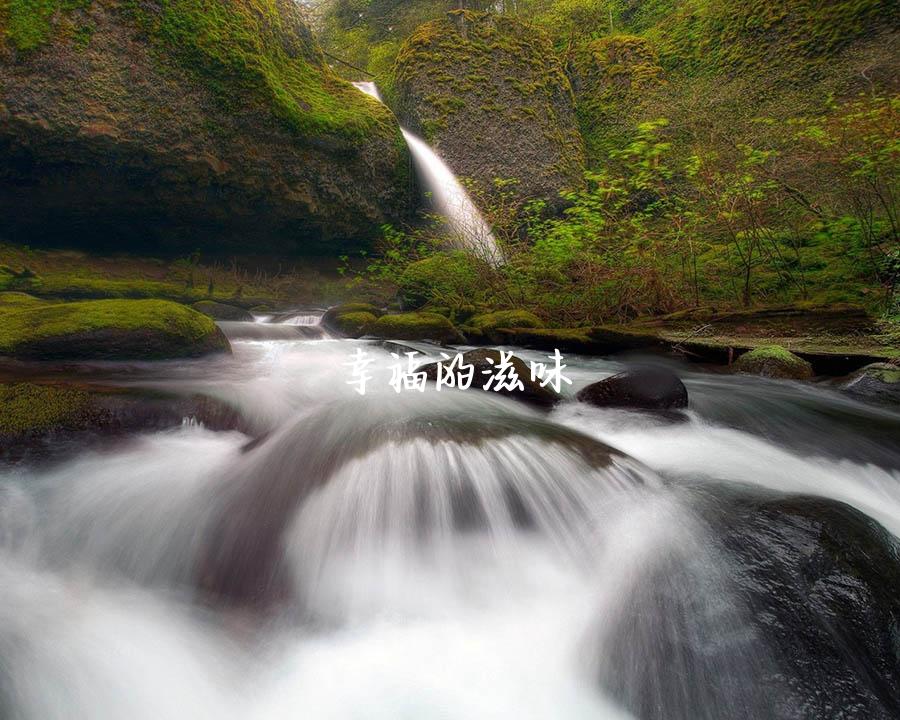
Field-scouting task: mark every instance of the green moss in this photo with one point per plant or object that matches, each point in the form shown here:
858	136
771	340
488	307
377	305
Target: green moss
415	326
19	299
774	361
354	324
141	329
486	322
235	48
448	279
27	407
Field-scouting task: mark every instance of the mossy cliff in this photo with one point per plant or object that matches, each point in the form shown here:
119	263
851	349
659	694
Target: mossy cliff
186	123
489	93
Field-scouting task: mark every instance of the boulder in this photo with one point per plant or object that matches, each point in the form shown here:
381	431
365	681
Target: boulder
221	311
107	330
774	361
782	607
646	388
485	361
362	315
878	381
475	82
444	277
178	125
36	414
415	326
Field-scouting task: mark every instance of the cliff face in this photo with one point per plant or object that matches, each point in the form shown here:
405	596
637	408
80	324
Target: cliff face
489	93
186	123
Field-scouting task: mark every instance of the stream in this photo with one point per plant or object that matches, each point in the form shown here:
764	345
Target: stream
455	555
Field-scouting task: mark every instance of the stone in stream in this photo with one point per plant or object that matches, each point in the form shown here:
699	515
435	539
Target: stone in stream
350	319
485	362
774	361
646	388
879	382
793	613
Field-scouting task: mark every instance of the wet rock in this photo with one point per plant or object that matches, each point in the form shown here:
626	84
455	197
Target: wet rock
268	331
878	382
41	418
647	388
222	311
774	361
107	330
485	362
476	82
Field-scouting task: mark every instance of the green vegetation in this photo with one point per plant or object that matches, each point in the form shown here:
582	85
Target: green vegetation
774	361
415	326
354	324
27	407
486	322
113	329
445	278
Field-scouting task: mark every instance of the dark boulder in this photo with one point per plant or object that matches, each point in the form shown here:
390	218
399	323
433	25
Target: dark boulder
485	362
647	388
879	382
787	608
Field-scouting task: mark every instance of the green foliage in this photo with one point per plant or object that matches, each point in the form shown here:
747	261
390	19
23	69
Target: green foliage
446	278
354	324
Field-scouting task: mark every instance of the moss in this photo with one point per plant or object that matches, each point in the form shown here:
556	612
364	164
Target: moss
486	322
415	326
113	329
448	278
354	324
259	47
28	408
19	299
221	311
774	361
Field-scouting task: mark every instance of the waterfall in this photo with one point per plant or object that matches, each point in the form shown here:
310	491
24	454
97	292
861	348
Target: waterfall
448	196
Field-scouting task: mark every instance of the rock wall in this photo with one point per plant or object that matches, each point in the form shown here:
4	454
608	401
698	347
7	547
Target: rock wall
176	125
489	94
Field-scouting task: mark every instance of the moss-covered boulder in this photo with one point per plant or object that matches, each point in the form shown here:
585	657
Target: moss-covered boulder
415	326
361	315
107	330
774	361
183	123
443	278
489	94
222	311
879	382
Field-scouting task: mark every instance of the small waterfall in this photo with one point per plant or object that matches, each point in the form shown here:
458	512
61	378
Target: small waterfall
448	196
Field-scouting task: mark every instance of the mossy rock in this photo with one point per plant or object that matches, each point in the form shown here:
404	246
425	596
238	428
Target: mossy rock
487	322
354	324
415	326
332	321
108	330
19	299
774	361
442	278
222	311
473	83
204	124
879	382
29	408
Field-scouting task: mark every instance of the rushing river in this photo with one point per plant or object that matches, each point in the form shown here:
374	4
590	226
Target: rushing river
455	555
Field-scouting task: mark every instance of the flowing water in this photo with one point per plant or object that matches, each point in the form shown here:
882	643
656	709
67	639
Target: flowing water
468	228
442	555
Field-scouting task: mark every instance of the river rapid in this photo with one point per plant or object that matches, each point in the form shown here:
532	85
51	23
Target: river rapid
455	555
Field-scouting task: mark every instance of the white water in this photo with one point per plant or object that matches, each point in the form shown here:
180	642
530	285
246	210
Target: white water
399	611
467	226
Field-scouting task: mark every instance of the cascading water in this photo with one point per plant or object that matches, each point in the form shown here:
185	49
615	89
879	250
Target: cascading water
449	198
454	555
